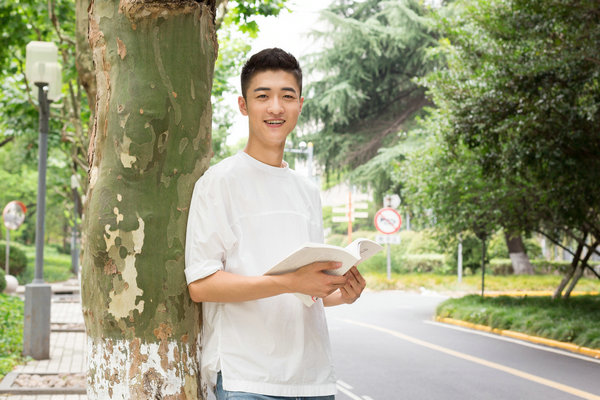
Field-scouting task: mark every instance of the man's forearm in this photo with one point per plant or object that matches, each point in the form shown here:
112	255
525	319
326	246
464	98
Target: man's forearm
225	287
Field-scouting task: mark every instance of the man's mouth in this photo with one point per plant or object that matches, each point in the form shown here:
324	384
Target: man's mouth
275	122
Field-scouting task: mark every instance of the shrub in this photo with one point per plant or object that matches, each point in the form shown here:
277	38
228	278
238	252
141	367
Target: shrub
471	254
11	332
17	259
2	281
425	263
422	242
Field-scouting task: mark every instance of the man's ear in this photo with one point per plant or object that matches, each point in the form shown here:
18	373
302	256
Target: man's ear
301	102
242	105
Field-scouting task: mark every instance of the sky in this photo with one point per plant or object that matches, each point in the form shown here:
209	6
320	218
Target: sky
288	31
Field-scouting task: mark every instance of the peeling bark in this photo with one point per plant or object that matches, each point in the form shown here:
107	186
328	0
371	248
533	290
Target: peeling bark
83	59
150	142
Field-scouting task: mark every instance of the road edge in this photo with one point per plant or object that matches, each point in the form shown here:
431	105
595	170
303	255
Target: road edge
594	353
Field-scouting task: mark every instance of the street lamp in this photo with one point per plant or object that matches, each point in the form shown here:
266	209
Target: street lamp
303	149
43	70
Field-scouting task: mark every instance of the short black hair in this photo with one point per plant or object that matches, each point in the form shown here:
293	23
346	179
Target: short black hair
272	59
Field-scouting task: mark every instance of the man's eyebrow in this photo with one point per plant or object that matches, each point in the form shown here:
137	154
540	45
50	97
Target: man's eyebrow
266	89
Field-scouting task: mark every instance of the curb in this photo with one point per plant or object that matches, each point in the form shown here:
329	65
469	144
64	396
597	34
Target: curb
594	353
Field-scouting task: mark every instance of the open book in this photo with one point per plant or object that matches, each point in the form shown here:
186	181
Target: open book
353	254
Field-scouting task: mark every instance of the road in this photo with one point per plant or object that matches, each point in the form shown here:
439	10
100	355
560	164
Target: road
386	347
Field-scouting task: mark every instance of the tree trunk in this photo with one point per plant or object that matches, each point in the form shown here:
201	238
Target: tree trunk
563	283
518	256
150	143
580	270
83	59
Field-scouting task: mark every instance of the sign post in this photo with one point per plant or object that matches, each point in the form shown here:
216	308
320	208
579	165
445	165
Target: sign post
350	214
388	221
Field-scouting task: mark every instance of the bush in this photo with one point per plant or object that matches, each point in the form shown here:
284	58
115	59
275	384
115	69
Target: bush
426	263
471	254
422	242
17	259
503	266
2	281
11	332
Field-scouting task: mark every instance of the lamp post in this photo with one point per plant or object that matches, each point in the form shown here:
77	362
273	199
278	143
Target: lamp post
304	149
44	71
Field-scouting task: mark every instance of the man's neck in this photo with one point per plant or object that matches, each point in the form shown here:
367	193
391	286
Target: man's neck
269	156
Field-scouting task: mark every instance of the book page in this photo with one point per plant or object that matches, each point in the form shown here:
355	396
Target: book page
363	249
315	252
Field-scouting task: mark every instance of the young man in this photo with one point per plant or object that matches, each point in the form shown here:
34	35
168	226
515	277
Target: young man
247	213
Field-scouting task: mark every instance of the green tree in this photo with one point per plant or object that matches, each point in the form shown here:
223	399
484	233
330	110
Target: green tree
365	93
521	95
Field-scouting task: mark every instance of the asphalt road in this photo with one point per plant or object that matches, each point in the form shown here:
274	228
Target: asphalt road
386	347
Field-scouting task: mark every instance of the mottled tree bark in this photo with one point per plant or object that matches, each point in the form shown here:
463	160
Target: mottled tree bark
518	256
150	142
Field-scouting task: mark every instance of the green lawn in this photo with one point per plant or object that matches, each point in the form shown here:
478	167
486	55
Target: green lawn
57	266
11	332
576	320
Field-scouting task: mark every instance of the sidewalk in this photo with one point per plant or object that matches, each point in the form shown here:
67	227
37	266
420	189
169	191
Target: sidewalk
67	363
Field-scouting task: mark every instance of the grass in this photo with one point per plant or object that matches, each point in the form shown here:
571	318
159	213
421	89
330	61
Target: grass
11	333
472	283
57	266
575	320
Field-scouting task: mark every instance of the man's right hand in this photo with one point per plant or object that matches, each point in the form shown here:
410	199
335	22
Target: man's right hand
313	279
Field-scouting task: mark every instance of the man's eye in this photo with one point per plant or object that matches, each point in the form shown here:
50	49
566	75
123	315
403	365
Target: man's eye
289	96
261	96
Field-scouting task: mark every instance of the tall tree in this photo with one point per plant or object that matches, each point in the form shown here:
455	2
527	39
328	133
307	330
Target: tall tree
150	142
521	93
365	93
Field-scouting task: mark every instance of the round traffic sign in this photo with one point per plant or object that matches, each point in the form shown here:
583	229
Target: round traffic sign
388	220
14	214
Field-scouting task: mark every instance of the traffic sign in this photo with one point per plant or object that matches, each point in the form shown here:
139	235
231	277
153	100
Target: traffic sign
388	220
387	239
14	214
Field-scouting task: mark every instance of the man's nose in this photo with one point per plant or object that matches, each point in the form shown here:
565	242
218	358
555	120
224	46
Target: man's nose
275	106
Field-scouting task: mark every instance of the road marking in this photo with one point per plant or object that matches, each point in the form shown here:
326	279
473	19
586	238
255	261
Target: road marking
517	341
344	384
348	393
521	374
346	389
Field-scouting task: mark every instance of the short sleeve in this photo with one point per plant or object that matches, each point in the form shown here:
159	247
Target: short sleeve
208	232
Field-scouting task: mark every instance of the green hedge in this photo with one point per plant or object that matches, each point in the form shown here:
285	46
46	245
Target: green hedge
503	266
2	281
11	332
18	260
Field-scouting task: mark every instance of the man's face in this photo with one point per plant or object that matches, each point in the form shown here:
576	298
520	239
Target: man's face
272	104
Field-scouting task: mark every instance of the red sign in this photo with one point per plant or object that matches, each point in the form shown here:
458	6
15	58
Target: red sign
388	220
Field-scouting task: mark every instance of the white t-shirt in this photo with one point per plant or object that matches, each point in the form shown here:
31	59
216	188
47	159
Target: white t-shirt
245	216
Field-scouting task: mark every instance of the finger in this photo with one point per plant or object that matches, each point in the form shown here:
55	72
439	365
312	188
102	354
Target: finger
327	265
360	279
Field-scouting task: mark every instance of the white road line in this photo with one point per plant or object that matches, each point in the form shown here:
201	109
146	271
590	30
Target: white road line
367	398
348	393
517	341
477	360
344	384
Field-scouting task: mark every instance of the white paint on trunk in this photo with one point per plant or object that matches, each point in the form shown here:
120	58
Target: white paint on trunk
132	369
521	263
